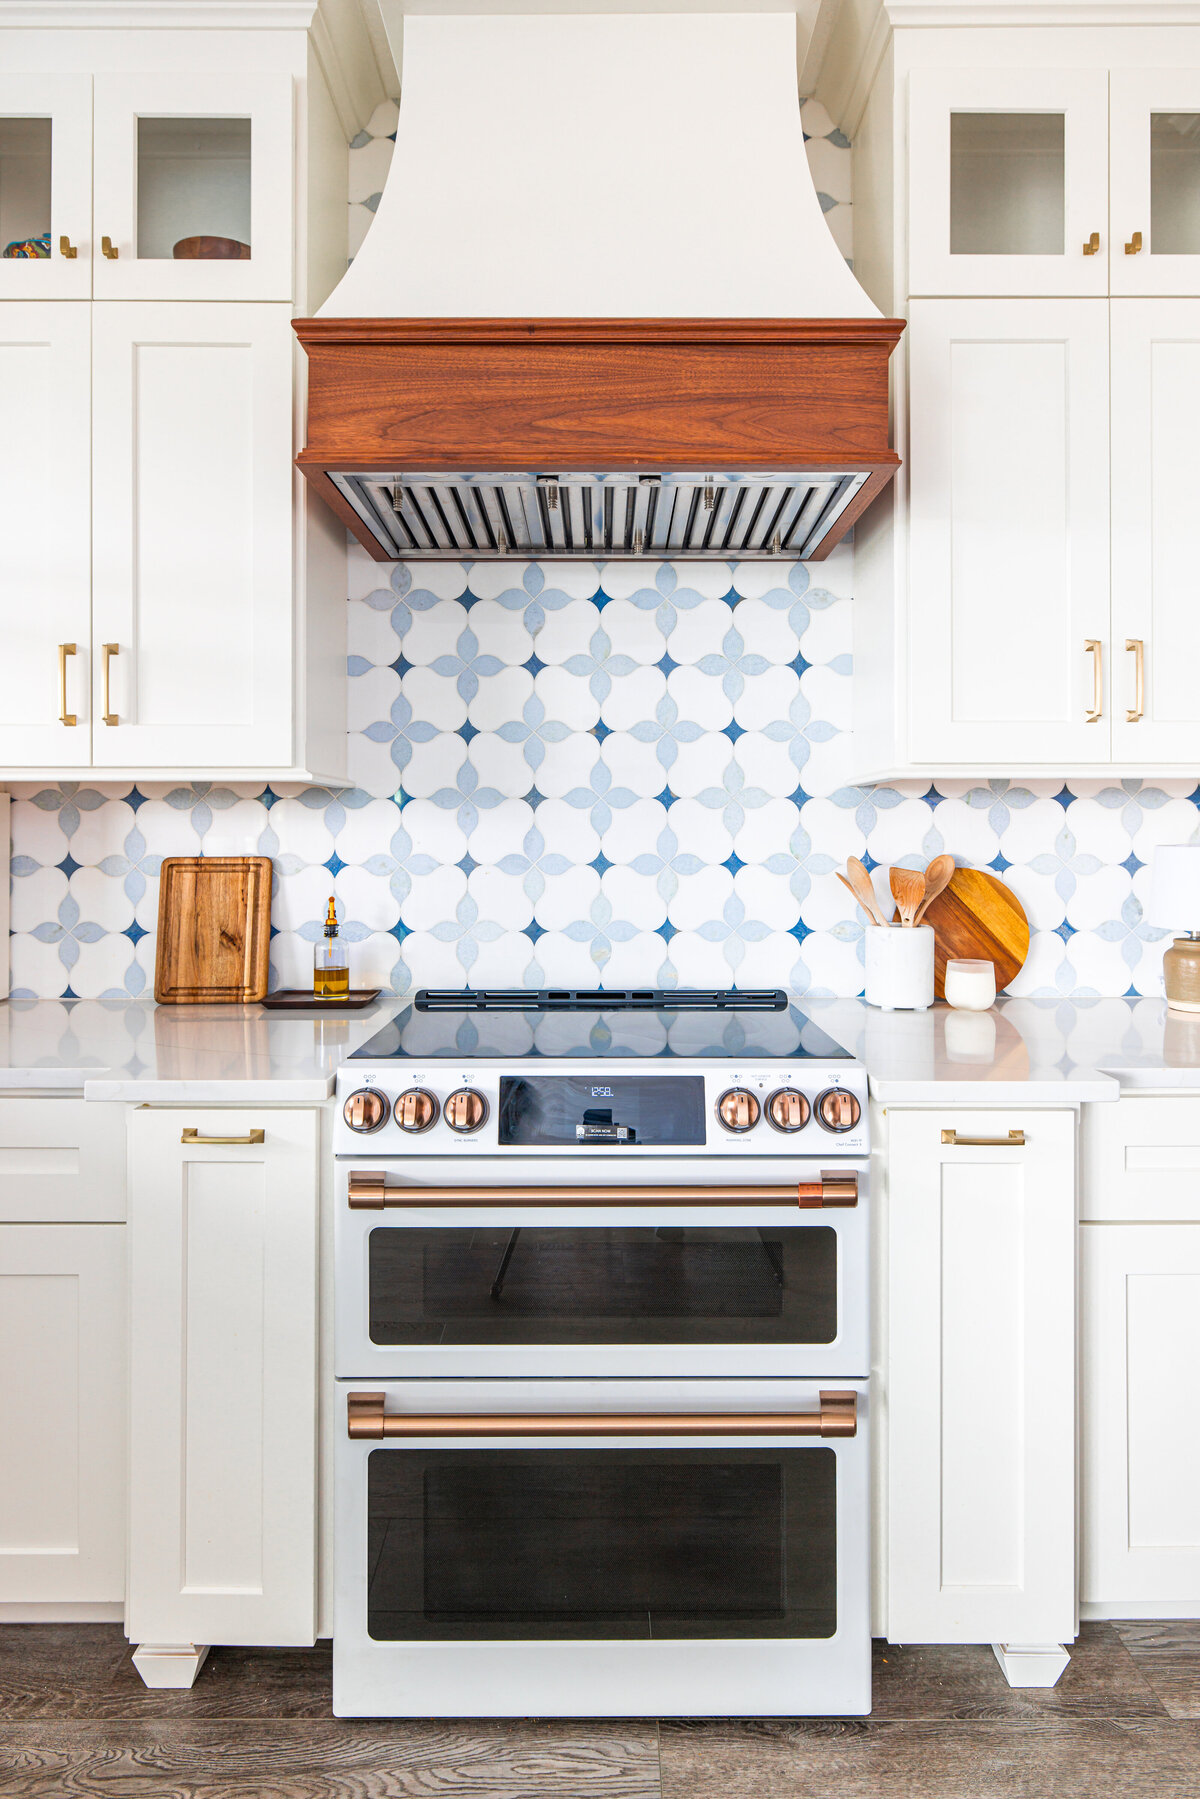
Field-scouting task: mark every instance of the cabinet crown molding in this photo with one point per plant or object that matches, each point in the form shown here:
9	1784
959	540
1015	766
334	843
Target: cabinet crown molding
149	15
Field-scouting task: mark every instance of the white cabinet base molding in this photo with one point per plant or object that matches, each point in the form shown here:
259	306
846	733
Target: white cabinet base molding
169	1664
1031	1664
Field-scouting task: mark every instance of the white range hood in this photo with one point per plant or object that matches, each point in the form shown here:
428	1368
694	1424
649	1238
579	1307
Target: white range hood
622	165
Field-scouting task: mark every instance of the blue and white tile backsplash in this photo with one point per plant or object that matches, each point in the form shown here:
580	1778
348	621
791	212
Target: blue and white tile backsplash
567	773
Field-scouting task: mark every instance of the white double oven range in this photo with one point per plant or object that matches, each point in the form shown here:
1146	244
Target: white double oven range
602	1354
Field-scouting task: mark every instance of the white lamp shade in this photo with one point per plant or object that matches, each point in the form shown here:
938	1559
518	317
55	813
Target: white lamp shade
1175	887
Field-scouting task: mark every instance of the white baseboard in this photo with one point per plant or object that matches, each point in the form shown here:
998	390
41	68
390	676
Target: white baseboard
62	1611
1148	1609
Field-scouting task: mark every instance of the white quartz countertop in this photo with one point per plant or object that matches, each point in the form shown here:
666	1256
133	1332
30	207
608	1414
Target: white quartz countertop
1021	1052
135	1052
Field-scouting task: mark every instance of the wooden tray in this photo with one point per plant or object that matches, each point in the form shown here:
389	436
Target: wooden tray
214	929
977	916
295	999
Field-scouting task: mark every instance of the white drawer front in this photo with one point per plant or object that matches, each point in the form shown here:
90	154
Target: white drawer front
1141	1161
61	1161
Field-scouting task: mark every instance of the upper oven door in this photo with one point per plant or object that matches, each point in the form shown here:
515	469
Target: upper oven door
591	1272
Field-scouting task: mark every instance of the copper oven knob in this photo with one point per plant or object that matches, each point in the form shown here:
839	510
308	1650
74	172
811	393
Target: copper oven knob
787	1109
465	1110
738	1110
366	1109
838	1111
415	1110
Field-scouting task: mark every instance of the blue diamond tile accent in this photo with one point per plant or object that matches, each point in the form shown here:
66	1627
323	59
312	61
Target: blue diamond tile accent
1131	863
135	932
601	864
1064	796
334	864
999	864
68	865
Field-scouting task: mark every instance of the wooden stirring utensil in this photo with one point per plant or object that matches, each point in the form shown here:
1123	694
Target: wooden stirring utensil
856	896
859	883
908	891
937	878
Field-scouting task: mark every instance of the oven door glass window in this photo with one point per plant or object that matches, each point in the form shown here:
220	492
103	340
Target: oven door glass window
577	1543
636	1284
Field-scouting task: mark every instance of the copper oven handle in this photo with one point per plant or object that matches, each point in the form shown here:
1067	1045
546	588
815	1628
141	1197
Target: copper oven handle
368	1191
366	1418
1014	1140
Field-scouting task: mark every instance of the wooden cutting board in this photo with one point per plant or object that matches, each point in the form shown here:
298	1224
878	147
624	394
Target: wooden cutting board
978	917
214	929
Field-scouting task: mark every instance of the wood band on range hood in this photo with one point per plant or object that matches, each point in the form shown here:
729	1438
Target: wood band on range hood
462	395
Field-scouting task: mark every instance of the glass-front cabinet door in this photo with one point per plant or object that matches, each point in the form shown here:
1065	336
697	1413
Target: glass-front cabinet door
193	187
1008	189
1155	217
45	187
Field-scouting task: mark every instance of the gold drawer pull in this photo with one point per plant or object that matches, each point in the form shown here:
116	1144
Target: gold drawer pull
64	717
365	1417
1014	1140
193	1136
109	650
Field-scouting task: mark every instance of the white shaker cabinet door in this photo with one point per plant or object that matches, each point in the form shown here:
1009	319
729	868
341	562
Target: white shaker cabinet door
1156	530
980	1362
1155	174
223	1391
192	499
46	185
62	1416
1009	554
1141	1400
45	527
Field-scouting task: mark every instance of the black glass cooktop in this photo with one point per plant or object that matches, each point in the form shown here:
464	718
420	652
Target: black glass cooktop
488	1023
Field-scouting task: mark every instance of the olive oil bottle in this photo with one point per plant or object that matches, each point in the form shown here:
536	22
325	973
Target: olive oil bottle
331	968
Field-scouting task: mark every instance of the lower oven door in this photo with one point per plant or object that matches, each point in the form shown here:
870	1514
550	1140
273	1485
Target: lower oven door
680	1278
602	1549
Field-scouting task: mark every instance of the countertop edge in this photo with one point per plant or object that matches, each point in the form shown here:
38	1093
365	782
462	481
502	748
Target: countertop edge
297	1091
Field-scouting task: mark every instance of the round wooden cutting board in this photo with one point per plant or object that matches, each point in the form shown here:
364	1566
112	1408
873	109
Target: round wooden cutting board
977	916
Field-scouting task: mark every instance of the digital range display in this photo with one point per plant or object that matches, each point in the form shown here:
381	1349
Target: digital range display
581	1111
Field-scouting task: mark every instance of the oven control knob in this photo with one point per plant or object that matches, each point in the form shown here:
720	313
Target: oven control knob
788	1109
837	1110
415	1110
366	1109
465	1110
738	1110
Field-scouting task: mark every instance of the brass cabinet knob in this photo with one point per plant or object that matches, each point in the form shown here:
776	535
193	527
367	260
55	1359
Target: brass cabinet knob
1134	245
415	1110
67	248
738	1110
366	1109
837	1110
465	1110
788	1110
109	249
1092	247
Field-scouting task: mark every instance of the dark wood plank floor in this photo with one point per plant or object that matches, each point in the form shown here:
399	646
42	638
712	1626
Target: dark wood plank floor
1124	1721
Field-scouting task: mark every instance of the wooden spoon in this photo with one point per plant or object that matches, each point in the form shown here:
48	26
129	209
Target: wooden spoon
937	879
908	890
855	896
859	883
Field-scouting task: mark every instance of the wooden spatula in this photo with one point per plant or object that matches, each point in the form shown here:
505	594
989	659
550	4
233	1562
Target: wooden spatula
908	891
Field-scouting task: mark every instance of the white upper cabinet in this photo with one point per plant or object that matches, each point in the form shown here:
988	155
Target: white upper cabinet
1008	188
1155	176
185	164
1156	529
45	187
192	568
1008	473
45	526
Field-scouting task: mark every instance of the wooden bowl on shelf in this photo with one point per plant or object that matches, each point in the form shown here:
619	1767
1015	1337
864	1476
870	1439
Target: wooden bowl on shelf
211	249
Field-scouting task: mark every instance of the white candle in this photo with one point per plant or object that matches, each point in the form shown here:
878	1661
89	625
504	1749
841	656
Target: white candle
970	985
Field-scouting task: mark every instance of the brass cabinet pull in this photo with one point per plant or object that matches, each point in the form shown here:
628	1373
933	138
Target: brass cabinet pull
109	249
1133	247
66	248
369	1192
64	717
366	1418
1091	248
1014	1140
107	652
191	1135
1095	648
1133	715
